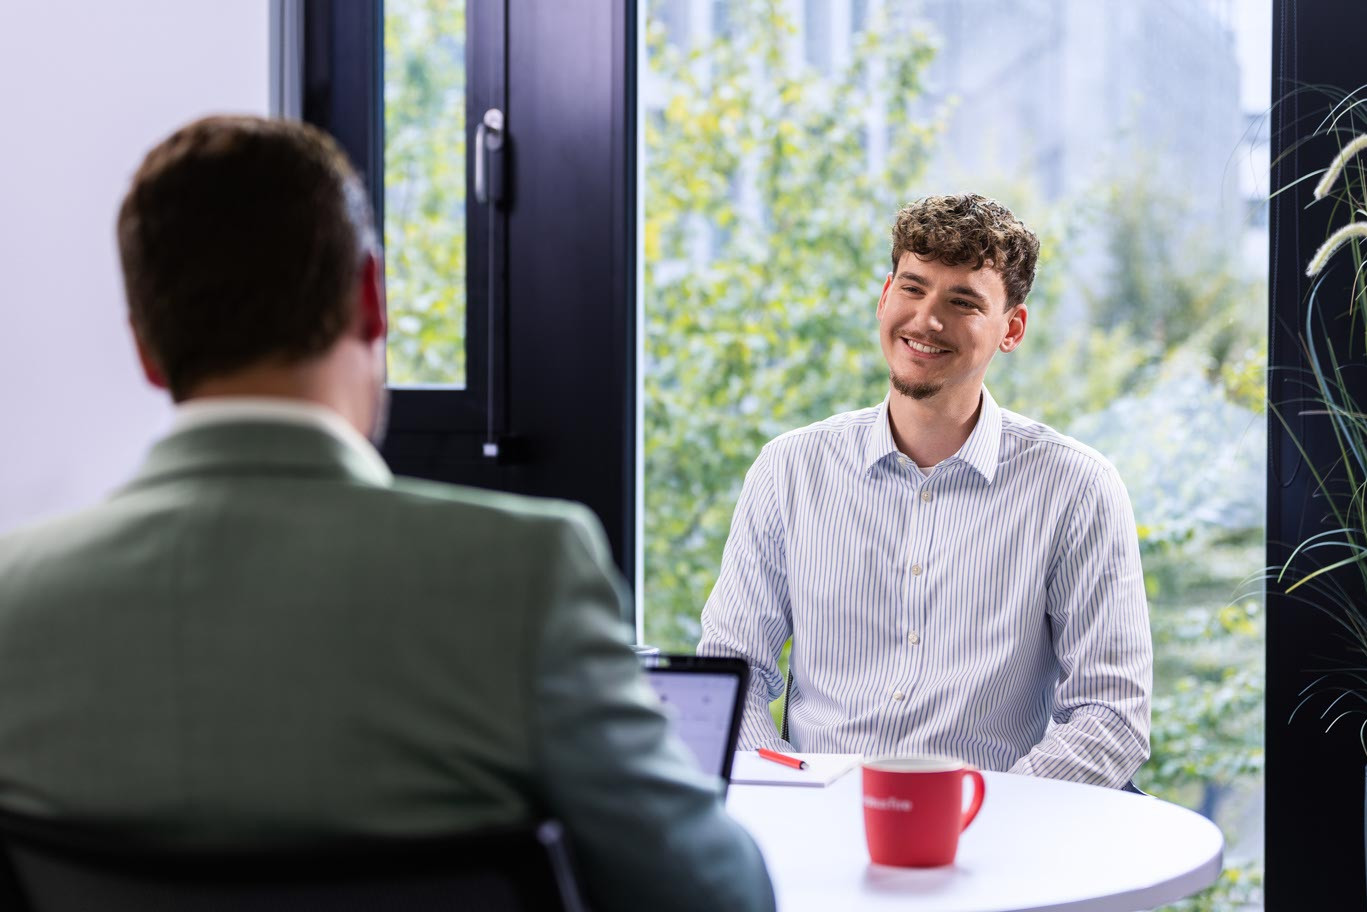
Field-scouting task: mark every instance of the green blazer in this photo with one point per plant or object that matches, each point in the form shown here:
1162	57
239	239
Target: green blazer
264	638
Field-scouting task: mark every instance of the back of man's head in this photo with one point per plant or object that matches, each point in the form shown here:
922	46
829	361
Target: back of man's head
241	241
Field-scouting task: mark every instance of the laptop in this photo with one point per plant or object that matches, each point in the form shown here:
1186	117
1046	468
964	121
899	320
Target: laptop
704	697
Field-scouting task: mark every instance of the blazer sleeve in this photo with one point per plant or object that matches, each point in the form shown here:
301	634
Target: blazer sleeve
645	825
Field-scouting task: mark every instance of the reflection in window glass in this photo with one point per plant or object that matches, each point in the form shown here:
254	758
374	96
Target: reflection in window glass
424	186
781	138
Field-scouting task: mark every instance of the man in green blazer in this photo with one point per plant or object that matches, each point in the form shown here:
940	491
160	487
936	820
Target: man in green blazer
266	639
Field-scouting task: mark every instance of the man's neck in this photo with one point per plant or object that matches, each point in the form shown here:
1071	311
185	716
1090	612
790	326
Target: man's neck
314	384
931	430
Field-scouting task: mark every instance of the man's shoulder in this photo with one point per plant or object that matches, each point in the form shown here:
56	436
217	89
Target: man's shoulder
834	433
68	532
1022	436
488	518
421	494
414	495
160	518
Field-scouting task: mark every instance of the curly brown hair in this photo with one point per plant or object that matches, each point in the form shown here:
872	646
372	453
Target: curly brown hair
969	229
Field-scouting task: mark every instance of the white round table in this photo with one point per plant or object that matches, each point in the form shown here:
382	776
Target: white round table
1037	844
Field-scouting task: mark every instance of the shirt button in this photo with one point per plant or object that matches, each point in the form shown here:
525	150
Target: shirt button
914	638
927	496
915	569
898	695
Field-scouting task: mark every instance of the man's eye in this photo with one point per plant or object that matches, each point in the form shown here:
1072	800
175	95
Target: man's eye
968	304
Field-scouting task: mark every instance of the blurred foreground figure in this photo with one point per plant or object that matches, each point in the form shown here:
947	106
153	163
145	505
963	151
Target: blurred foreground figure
266	639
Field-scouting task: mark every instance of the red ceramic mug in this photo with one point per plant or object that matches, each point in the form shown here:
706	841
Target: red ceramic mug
914	808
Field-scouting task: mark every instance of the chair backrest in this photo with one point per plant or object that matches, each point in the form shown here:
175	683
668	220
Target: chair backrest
47	868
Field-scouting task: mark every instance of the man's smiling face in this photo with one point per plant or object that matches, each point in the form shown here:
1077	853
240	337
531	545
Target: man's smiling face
940	326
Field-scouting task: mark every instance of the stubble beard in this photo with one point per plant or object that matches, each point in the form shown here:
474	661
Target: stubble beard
917	391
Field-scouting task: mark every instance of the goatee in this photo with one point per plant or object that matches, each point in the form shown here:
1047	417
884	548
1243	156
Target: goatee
914	390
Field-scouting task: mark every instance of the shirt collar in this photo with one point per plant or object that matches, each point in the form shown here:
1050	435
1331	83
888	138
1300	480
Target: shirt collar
880	443
196	413
980	451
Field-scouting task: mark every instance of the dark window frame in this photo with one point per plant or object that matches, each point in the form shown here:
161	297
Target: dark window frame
1314	839
562	328
343	93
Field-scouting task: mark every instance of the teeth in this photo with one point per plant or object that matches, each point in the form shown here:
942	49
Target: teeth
922	348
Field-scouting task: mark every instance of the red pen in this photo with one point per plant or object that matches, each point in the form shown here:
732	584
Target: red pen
796	763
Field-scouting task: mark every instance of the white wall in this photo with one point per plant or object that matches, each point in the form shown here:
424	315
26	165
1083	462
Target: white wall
88	88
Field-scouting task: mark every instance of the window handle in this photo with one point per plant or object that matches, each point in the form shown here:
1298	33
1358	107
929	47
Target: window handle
488	143
489	139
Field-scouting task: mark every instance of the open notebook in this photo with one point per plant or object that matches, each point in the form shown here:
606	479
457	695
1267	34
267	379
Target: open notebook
749	768
703	697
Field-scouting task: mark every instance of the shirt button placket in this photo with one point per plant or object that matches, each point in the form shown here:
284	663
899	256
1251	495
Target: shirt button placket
913	638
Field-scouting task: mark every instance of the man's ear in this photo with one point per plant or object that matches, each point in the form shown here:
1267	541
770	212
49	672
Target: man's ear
150	369
883	296
372	315
1015	329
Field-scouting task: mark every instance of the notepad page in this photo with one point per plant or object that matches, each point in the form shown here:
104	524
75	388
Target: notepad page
749	768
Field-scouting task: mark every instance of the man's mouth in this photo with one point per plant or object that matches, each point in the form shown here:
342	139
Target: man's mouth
923	348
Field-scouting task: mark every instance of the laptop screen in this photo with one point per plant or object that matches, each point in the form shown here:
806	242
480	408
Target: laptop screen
703	698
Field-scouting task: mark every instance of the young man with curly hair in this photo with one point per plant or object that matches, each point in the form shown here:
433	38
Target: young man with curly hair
956	578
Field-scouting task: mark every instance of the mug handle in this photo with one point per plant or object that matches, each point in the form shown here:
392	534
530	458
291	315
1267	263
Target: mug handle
979	790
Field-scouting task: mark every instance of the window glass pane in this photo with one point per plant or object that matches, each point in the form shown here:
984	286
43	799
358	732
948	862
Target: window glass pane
424	177
781	138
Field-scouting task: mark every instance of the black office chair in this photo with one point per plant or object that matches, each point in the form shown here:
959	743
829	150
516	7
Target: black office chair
54	868
788	692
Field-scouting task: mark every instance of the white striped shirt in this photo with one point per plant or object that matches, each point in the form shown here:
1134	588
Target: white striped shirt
994	610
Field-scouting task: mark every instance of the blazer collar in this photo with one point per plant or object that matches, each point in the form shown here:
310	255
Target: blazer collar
260	446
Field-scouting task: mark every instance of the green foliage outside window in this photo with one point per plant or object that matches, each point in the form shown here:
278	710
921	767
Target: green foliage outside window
765	248
777	329
424	179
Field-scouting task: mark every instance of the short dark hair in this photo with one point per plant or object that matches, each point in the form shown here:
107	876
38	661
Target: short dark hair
969	229
241	239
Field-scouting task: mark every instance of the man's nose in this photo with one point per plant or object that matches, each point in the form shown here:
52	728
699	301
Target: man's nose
926	318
